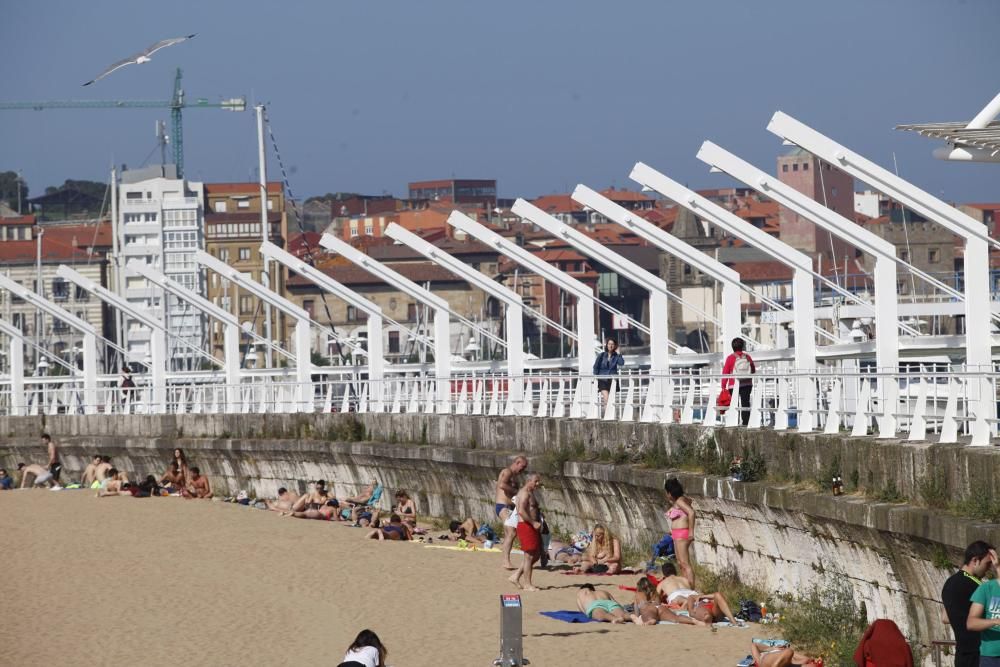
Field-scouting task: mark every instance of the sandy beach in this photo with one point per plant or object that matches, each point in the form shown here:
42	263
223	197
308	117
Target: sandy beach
152	581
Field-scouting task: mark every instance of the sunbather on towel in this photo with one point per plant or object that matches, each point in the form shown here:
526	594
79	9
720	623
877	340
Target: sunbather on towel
768	655
394	530
405	507
284	502
708	607
649	611
470	531
604	554
599	605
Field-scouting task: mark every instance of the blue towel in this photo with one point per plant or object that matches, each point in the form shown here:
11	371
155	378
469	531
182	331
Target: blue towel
568	616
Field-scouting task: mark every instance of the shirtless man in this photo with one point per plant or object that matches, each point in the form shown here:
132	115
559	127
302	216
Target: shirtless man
103	468
41	475
198	486
599	605
707	607
55	466
90	472
113	485
507	486
529	527
284	502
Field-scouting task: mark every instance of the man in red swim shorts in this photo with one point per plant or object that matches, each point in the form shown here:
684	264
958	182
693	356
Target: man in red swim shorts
529	528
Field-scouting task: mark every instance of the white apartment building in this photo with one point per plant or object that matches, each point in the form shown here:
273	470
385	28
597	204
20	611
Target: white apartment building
161	222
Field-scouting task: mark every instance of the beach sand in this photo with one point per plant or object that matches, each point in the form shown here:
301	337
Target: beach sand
154	581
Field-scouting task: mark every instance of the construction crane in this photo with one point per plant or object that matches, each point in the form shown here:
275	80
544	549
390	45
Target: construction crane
176	104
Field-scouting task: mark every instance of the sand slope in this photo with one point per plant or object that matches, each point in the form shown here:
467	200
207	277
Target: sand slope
150	581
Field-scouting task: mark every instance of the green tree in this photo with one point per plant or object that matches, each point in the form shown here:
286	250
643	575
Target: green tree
10	183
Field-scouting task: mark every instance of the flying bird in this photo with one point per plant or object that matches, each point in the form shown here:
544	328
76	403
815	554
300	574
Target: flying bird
139	58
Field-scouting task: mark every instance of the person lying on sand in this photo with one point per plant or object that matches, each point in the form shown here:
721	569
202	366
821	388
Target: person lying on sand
599	605
283	503
708	607
113	485
198	486
328	512
778	654
394	530
470	531
363	497
649	611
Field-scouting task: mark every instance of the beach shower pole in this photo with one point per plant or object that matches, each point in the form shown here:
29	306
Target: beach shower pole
511	633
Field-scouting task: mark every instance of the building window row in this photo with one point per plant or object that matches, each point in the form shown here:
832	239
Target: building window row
180	218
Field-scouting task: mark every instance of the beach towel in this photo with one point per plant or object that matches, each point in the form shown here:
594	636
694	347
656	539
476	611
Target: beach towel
568	616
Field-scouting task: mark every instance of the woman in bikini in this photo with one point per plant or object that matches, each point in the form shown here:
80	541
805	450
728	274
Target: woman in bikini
173	479
778	653
649	611
395	530
405	507
681	517
604	554
182	466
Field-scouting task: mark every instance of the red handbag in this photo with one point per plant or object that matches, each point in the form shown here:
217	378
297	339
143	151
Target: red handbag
725	398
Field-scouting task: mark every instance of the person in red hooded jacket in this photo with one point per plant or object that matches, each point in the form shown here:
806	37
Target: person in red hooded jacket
740	365
883	645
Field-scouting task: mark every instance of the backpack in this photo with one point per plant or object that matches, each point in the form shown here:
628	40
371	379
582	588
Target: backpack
742	365
749	611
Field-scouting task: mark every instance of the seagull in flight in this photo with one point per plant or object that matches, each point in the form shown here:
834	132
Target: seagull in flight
142	57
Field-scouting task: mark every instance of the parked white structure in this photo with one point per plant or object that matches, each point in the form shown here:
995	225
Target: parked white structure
161	223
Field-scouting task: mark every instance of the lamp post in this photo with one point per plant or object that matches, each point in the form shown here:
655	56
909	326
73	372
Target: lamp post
39	232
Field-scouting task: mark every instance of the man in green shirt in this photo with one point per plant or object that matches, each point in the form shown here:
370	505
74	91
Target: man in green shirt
984	617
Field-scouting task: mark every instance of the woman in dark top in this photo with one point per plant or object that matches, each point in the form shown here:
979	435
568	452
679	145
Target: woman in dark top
607	364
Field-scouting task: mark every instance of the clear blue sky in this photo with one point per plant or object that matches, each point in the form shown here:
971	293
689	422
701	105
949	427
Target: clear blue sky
368	95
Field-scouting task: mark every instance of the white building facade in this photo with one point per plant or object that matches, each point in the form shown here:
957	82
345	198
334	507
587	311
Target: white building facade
162	222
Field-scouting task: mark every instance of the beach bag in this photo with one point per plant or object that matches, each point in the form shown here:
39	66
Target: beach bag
724	399
749	611
664	548
742	367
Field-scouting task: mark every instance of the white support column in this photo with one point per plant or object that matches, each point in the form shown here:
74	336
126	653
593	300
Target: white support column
88	332
15	351
515	308
158	337
376	346
231	330
730	279
978	312
442	329
803	307
302	347
886	296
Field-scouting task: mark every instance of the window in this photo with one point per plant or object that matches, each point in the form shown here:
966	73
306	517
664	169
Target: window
180	240
60	289
224	254
933	255
243	203
805	167
181	218
904	255
244	254
81	294
795	167
246	304
833	191
369	228
354	228
411	312
352	314
393	342
309	305
220	207
270	205
58	326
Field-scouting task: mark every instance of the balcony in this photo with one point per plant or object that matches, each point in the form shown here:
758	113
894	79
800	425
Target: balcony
181	202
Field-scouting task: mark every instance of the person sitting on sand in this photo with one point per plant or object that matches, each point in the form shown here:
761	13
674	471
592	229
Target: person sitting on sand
649	611
40	475
394	530
173	478
599	605
470	531
315	497
283	503
708	607
367	650
778	653
90	472
113	485
405	507
604	554
198	486
101	472
6	481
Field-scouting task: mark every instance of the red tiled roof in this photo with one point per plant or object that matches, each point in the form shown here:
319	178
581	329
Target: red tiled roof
624	195
761	271
18	220
240	188
86	235
304	243
557	204
984	206
53	250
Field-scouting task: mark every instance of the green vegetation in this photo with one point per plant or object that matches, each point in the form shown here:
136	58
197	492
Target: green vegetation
933	490
555	459
890	494
347	430
980	504
825	621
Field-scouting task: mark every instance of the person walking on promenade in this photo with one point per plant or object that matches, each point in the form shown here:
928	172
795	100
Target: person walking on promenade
529	527
681	517
956	595
507	486
606	366
740	366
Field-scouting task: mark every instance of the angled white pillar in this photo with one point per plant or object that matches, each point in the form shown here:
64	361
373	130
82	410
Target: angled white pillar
442	332
658	328
886	296
514	311
730	279
803	307
87	331
376	347
978	311
231	332
15	352
303	340
587	343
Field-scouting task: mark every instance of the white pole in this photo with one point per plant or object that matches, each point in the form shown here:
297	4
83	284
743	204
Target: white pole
116	262
264	229
40	289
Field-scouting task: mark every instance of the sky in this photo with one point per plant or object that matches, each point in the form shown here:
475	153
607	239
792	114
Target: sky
365	96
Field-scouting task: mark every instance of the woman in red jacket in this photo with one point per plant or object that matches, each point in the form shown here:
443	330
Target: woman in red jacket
740	365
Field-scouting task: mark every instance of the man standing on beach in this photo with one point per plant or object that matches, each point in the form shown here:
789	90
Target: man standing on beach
507	486
956	596
55	467
529	528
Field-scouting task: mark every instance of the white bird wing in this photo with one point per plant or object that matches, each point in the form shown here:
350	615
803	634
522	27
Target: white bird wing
164	43
131	60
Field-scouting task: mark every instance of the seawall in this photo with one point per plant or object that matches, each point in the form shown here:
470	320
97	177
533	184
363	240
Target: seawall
783	533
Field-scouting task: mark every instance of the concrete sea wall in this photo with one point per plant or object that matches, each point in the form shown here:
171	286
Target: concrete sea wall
782	533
